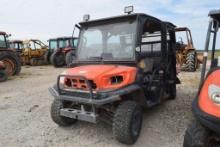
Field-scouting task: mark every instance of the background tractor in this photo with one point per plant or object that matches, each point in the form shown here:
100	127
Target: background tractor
16	45
33	52
9	57
65	52
186	56
53	45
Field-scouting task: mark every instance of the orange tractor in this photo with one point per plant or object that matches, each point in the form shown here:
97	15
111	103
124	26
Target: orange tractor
186	55
8	56
64	54
205	130
123	64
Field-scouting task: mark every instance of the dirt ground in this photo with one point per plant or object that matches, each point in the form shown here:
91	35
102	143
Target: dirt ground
25	115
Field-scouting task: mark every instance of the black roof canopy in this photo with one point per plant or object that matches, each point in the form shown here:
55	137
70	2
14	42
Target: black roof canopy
119	18
215	14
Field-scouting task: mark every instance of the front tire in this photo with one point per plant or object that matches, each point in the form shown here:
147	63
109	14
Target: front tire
56	117
127	122
196	136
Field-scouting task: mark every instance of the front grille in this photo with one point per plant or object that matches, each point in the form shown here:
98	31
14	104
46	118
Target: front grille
79	83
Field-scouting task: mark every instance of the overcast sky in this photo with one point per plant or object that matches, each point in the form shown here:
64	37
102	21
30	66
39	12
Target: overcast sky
46	19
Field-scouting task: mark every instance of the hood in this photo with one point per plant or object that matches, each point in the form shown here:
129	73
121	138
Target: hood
105	76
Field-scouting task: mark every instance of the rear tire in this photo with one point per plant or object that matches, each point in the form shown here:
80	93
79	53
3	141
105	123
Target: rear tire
58	59
127	122
3	76
56	117
11	61
70	56
191	61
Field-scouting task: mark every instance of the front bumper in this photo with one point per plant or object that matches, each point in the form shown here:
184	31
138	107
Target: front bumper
103	97
209	121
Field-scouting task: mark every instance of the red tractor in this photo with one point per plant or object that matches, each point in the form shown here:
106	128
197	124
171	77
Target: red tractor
65	52
205	130
9	57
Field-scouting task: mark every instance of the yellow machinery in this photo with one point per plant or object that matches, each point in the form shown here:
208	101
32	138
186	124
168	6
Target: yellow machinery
33	52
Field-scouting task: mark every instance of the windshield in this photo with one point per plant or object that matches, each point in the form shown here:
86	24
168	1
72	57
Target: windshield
108	42
53	44
16	45
63	43
2	41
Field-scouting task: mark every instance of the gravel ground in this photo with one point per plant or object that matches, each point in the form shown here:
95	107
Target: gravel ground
25	118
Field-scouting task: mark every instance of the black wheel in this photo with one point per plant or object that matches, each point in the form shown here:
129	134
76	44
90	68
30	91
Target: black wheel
191	61
70	56
11	61
197	135
127	122
56	117
58	59
3	76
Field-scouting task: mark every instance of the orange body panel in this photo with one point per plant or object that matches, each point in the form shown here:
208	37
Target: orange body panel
205	102
101	74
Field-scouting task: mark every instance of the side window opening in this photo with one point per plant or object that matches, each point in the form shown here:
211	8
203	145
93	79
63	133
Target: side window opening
151	40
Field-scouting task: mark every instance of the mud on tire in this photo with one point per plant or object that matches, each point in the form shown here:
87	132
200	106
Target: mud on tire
127	122
12	61
55	114
191	61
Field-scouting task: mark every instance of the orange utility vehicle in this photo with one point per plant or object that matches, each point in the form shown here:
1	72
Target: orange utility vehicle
123	64
205	130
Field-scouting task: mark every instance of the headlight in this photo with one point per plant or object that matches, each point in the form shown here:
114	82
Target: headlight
116	79
214	93
62	79
216	97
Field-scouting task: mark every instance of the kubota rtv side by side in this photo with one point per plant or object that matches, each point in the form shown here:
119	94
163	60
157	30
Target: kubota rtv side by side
205	130
123	64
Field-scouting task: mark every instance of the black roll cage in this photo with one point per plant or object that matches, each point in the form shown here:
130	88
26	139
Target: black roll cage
213	28
141	18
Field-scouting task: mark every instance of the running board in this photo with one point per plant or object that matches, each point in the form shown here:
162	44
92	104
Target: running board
79	115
